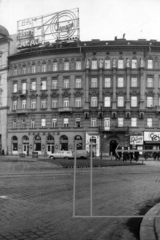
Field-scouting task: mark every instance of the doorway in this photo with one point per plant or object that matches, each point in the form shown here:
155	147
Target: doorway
112	148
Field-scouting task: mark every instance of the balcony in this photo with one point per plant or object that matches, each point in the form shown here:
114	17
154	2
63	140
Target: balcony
23	92
21	111
65	109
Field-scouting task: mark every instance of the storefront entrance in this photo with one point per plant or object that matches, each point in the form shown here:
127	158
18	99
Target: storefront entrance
112	147
64	143
25	144
50	144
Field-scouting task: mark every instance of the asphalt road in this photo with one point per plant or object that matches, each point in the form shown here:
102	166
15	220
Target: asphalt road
36	200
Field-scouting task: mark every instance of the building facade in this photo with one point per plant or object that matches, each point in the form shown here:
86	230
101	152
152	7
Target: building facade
104	92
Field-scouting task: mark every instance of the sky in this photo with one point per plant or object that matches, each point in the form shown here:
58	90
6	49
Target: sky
99	19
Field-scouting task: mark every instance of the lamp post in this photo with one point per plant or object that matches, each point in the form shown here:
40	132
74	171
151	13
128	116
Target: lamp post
101	134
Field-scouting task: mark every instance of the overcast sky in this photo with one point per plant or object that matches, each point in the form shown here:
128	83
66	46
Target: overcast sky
99	19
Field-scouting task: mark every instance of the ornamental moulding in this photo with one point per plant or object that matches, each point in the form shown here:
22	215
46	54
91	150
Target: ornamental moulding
43	95
33	95
150	93
108	93
122	92
54	94
66	94
94	93
78	94
135	92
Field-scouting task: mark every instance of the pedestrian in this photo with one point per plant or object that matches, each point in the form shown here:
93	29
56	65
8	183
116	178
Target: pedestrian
154	156
136	156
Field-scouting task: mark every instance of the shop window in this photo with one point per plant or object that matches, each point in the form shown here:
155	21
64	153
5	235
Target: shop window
107	101
107	82
133	122
120	122
93	122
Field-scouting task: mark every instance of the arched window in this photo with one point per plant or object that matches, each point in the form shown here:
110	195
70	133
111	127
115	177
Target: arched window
64	143
14	143
37	143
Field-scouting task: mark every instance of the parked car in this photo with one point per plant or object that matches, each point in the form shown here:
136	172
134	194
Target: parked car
61	154
81	154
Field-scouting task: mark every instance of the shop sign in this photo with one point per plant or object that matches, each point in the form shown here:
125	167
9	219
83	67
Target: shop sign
136	140
152	136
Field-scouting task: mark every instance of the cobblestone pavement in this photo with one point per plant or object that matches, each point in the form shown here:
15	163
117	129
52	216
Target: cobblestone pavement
36	200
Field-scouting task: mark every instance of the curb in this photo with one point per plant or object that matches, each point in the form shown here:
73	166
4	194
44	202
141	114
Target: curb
150	225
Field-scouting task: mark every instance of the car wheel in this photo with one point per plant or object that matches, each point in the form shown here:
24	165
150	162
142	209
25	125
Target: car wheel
66	158
51	157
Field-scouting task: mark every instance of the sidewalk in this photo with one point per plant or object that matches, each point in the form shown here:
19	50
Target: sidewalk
150	226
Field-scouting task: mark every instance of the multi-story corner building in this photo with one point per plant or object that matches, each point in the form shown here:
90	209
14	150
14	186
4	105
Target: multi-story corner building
104	92
6	47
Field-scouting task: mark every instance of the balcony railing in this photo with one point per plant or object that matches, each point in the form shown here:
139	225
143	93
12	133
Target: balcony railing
65	109
21	111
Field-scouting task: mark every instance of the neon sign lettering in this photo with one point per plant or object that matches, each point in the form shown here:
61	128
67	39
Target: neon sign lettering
154	136
136	140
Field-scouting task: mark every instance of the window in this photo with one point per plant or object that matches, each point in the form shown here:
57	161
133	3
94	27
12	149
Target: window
133	101
93	101
24	70
54	122
15	87
54	103
78	102
65	122
159	82
78	122
15	71
134	63
150	82
106	123
120	63
94	64
93	82
43	103
33	85
32	123
120	82
107	101
15	105
14	124
78	65
133	122
24	104
134	82
78	83
43	122
66	102
107	64
24	86
54	84
55	66
149	122
66	66
150	63
158	101
23	123
107	82
33	103
93	122
66	83
44	67
33	68
43	85
149	101
120	122
120	101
